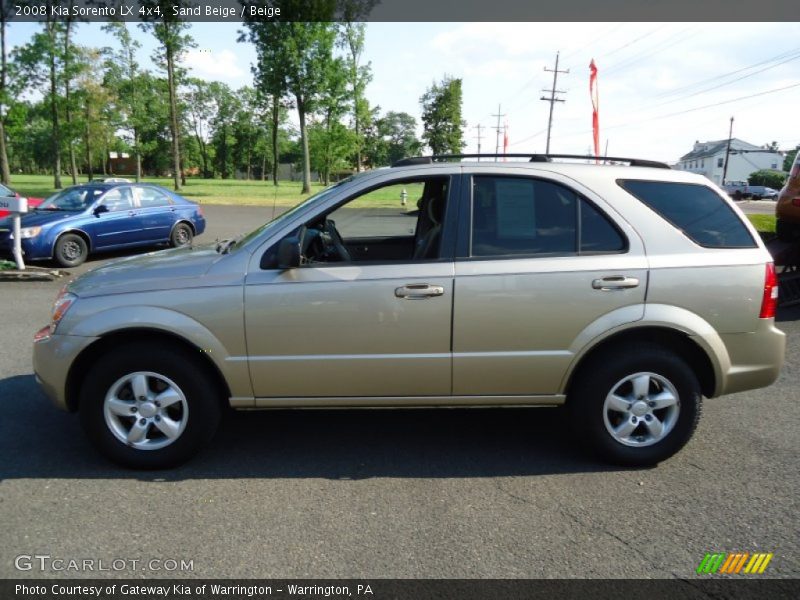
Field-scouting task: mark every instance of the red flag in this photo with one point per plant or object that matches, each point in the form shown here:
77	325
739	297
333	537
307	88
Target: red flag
595	107
505	138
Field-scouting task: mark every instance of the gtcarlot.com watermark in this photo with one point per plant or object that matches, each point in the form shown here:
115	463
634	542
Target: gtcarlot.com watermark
56	564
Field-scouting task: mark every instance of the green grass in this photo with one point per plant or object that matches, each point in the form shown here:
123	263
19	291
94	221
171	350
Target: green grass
763	223
204	191
231	191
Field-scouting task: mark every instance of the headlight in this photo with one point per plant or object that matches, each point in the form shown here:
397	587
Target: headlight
27	232
60	307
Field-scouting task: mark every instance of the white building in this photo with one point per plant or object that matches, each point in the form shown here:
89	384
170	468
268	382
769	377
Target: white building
708	158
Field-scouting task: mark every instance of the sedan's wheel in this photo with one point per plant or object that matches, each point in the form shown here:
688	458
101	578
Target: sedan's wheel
71	250
181	235
149	406
637	406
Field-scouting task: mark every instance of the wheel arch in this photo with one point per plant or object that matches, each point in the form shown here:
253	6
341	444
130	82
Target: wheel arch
84	361
80	232
677	341
183	220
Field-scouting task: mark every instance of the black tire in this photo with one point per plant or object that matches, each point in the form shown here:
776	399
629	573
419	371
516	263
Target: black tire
202	404
71	250
181	235
597	379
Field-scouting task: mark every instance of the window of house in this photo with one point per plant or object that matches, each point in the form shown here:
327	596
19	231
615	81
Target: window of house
520	216
719	163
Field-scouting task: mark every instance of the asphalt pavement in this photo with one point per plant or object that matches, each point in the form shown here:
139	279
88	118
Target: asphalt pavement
408	494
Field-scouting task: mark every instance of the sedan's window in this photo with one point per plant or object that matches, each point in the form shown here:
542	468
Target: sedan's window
698	211
512	215
118	199
147	197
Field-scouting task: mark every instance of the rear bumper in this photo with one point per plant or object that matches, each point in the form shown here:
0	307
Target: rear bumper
755	358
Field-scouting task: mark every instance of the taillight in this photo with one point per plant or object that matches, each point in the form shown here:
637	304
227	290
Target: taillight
200	211
796	201
769	302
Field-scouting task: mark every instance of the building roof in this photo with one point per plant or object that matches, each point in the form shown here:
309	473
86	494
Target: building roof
712	148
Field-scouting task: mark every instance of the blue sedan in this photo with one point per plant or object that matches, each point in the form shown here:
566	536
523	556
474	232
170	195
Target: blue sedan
96	217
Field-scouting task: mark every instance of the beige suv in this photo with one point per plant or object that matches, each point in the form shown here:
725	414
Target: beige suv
625	292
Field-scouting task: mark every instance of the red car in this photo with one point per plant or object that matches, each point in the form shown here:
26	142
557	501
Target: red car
6	191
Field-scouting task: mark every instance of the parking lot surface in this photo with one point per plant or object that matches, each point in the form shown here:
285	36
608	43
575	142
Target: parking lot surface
392	493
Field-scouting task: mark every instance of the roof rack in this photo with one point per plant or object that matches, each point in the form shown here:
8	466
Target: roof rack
427	160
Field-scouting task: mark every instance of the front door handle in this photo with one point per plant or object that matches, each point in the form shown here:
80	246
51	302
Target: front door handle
419	291
615	282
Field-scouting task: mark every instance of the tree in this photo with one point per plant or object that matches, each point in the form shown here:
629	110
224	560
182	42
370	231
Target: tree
767	177
5	12
227	107
97	104
169	31
40	63
201	106
303	51
394	136
358	77
788	160
122	75
441	117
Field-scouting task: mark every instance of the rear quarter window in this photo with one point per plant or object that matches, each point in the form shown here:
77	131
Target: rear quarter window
698	211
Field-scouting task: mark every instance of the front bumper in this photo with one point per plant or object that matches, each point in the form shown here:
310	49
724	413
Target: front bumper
53	356
32	248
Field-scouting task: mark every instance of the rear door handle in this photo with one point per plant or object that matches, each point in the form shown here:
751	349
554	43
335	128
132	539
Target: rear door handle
419	291
615	282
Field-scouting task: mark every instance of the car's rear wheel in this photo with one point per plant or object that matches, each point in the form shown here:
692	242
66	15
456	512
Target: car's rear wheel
182	235
149	407
71	250
636	406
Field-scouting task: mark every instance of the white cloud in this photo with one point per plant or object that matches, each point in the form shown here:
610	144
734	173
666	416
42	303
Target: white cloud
222	65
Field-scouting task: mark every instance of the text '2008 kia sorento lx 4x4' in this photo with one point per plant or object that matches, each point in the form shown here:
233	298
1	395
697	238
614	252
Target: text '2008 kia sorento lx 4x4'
626	292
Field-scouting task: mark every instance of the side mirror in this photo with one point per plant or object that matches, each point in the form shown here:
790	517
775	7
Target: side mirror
99	210
290	254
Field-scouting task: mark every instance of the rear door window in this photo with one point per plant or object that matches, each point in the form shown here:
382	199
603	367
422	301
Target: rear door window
698	211
532	217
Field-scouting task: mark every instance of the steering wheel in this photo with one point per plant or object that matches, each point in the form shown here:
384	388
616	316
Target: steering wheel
333	242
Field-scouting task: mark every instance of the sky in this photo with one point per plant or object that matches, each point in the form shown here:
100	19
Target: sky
662	86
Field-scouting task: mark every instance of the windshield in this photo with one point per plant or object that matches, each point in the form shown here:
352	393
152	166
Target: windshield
277	221
74	198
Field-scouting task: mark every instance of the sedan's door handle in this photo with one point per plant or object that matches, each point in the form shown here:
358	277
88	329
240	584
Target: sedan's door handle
615	282
419	291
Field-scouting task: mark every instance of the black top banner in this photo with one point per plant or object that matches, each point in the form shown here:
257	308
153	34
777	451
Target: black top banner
398	10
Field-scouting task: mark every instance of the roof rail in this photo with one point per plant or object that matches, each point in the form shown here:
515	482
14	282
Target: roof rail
426	160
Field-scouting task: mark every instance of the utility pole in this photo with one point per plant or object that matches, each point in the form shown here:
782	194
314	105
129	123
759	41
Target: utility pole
478	127
552	99
727	154
498	129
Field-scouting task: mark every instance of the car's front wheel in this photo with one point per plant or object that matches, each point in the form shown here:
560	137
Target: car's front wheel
149	407
636	406
71	250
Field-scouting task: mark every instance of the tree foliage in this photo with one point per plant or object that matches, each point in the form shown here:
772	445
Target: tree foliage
443	127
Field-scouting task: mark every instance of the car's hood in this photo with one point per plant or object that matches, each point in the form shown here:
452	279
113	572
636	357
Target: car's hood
41	217
166	269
